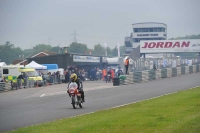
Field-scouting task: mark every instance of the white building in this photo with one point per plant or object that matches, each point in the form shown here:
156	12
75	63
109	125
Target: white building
145	31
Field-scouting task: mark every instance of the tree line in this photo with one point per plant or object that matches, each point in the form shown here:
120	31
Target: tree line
8	52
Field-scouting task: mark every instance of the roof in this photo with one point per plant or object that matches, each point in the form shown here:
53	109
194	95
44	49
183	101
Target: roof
18	62
45	53
149	23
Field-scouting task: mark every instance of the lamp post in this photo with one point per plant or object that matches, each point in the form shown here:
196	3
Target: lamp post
22	58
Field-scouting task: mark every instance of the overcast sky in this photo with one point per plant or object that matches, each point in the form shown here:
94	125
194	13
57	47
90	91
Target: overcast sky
26	23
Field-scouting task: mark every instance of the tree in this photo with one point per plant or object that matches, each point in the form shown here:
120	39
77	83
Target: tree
77	48
41	48
122	50
8	52
109	51
99	50
115	51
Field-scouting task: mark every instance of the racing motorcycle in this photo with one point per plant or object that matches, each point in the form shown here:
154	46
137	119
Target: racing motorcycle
108	79
75	95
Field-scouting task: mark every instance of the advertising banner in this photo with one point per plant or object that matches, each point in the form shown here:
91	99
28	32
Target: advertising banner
163	46
77	58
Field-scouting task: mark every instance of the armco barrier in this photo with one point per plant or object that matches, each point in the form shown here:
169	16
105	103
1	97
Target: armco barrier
148	75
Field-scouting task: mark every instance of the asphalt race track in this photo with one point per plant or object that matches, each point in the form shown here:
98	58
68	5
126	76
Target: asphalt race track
33	106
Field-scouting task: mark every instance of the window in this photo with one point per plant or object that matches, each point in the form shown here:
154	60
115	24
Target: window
135	29
135	40
5	71
128	44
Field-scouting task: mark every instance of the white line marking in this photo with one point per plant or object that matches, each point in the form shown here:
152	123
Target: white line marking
86	89
42	95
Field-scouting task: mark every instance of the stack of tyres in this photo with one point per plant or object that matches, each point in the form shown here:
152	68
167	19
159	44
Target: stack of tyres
182	70
137	77
197	68
163	73
116	81
190	69
174	72
152	75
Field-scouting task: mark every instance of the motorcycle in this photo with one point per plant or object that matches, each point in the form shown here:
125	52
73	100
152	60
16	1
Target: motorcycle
75	95
108	78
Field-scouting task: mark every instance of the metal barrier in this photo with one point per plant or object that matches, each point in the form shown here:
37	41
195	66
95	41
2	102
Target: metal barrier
50	80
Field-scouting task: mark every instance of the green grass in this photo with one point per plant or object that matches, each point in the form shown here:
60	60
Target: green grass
174	113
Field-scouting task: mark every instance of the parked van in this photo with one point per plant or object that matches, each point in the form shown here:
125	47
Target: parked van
11	72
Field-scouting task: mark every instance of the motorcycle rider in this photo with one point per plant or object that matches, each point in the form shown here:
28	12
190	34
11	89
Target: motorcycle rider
108	73
73	78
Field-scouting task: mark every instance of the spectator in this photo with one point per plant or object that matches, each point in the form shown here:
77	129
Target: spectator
19	81
154	67
126	63
67	75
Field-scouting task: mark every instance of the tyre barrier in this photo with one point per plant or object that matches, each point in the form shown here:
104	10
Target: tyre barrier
5	86
149	75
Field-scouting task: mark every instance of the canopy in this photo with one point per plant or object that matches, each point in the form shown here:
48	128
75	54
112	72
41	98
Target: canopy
37	66
3	64
51	66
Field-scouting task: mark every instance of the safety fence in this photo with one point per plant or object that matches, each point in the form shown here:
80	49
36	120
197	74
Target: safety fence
161	63
149	75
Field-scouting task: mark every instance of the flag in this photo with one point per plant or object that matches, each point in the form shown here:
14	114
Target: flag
118	50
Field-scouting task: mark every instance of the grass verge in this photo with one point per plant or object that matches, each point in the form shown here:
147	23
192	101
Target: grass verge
174	113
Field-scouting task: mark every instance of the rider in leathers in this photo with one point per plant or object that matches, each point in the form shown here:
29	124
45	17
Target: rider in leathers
74	78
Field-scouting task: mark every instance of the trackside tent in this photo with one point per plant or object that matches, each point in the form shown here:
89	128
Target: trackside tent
36	66
3	64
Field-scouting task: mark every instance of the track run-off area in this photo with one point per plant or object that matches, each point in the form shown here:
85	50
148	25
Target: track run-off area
31	106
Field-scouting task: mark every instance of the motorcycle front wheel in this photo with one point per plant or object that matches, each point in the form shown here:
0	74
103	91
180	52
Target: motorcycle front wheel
73	102
79	101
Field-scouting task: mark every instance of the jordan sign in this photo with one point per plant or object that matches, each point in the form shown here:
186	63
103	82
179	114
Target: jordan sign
165	46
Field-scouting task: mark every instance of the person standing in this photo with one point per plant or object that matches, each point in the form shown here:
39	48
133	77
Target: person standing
126	63
67	75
